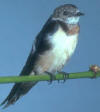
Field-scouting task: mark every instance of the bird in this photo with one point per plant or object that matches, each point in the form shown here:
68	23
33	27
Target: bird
51	49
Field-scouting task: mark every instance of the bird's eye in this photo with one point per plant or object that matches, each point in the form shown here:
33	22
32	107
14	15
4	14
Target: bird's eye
65	13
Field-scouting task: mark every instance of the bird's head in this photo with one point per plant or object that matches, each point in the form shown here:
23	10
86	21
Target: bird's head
68	13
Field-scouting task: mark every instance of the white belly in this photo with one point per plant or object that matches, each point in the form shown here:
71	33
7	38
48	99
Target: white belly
63	48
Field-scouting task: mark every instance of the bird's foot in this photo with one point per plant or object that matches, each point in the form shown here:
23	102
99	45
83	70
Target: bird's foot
65	76
95	69
52	77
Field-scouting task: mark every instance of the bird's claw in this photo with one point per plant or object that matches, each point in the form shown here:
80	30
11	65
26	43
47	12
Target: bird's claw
52	77
65	76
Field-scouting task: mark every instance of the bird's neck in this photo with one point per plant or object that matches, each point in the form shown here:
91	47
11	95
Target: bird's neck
70	29
72	20
73	29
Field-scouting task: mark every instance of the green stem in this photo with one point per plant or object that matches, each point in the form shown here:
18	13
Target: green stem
16	79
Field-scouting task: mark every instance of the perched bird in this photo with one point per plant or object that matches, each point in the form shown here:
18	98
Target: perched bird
53	47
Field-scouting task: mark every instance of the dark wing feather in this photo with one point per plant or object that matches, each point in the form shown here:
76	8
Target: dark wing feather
41	45
42	41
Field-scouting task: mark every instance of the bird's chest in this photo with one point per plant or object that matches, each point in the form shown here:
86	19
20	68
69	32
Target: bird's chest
63	46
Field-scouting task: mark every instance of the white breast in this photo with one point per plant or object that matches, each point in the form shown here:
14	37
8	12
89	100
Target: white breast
63	47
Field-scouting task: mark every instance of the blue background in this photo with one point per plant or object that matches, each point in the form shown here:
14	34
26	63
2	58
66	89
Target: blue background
20	22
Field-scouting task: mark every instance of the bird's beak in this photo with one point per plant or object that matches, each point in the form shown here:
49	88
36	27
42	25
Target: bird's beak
80	14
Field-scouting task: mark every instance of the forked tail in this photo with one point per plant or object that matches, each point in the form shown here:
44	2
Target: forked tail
17	91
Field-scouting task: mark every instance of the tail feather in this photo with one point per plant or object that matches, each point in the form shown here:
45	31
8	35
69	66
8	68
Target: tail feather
9	102
17	91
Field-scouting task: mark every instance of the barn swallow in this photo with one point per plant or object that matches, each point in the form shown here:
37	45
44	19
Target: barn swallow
51	50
